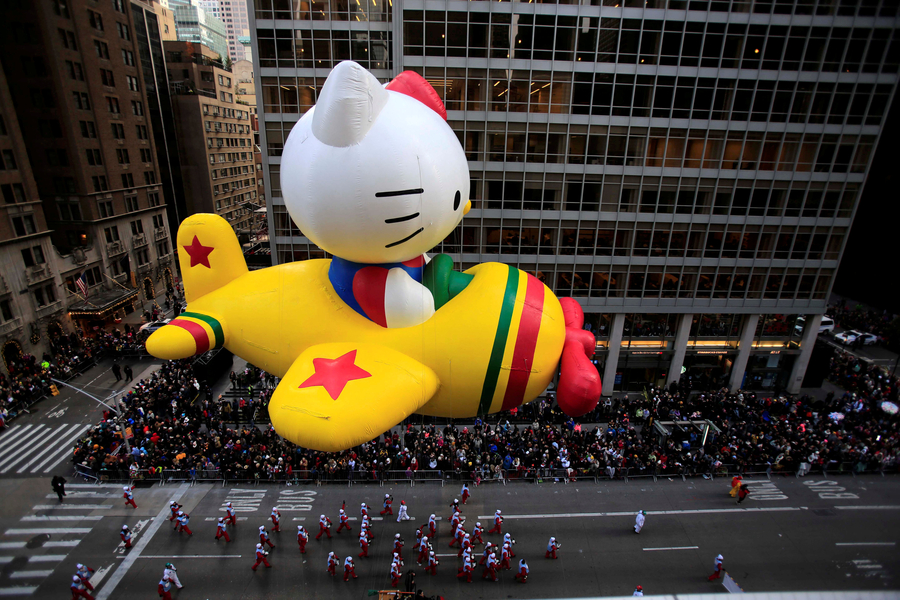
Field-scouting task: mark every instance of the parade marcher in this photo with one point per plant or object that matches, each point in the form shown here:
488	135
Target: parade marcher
433	562
79	590
324	527
220	530
719	566
363	510
454	507
743	493
468	554
490	568
488	548
174	507
85	574
457	535
395	574
170	573
388	500
455	520
397	559
552	547
466	544
164	589
129	497
638	591
476	534
466	571
465	493
183	520
302	538
264	536
639	521
498	521
363	543
418	537
522	575
735	485
367	525
59	486
344	522
432	525
398	544
504	557
349	569
423	549
276	519
231	517
333	562
125	534
507	539
402	515
261	557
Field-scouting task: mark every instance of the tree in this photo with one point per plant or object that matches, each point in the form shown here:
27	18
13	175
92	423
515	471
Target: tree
228	63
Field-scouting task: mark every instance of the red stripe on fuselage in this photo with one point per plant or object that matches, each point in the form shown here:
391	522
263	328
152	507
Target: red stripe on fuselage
526	342
368	288
197	332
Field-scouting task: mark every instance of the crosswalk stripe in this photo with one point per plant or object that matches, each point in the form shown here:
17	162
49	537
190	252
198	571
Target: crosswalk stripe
72	506
14	432
93	485
61	518
47	558
17	591
5	560
47	435
11	545
38	430
86	495
34	459
29	574
66	450
48	530
62	544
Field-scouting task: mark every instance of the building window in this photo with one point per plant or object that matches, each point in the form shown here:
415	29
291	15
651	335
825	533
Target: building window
137	108
158	221
100	184
128	58
44	296
123	30
132	83
146	155
95	20
106	77
87	129
118	131
67	38
76	72
149	177
153	197
137	227
5	311
119	5
132	204
64	185
111	234
24	225
141	132
122	156
33	256
60	8
112	105
102	49
7	160
82	102
143	257
127	180
94	157
162	248
106	209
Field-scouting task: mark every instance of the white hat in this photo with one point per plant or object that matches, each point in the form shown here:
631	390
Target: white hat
498	511
180	512
432	516
431	553
455	500
342	511
174	503
387	495
478	524
76	578
125	488
262	527
221	519
331	554
228	504
719	557
259	546
321	516
552	539
79	566
124	526
396	536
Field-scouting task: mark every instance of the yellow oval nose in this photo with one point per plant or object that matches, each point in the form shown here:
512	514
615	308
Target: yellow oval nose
468	207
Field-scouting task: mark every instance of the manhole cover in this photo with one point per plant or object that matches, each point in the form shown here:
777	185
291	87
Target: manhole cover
824	512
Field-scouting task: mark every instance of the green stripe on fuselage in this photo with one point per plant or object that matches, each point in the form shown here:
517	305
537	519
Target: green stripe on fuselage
214	324
506	313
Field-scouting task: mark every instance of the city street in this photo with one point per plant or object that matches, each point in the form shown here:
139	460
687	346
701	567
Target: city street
790	535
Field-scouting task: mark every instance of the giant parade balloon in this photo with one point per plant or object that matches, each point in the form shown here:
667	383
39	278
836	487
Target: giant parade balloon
374	176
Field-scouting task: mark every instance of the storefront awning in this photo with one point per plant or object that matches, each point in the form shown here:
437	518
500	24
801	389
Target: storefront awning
102	305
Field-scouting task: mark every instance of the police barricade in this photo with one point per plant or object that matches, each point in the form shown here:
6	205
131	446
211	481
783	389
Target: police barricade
397	477
428	475
87	473
176	475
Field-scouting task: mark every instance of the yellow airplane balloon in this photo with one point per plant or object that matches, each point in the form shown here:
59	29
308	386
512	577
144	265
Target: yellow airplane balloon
493	343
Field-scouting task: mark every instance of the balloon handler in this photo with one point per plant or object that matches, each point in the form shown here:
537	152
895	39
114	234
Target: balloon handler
381	331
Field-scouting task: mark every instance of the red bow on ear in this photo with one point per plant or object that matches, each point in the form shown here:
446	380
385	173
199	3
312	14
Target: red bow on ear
414	85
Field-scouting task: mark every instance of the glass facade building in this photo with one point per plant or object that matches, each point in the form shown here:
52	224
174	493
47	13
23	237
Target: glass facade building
196	24
687	170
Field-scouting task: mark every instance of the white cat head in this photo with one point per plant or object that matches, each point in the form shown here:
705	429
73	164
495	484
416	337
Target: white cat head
372	174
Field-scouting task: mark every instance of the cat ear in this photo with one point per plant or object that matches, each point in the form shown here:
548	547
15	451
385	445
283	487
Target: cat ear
348	105
414	85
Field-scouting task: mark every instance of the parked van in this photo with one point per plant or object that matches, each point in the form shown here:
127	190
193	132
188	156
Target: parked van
827	325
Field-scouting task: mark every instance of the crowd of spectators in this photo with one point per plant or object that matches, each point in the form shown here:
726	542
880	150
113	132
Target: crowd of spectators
178	425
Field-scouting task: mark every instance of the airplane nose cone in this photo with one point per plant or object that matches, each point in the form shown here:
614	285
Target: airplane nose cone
171	343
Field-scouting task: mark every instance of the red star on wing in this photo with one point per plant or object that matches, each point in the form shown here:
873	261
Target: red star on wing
334	373
199	253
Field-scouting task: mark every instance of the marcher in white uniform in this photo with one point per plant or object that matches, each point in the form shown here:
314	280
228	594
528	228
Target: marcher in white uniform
402	515
172	575
638	591
639	521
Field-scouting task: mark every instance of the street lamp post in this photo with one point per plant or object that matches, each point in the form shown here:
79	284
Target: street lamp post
118	411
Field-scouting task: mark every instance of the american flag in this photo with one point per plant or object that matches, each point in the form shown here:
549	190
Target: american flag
82	284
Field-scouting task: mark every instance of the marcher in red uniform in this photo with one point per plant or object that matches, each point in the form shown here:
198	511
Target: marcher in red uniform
454	507
490	569
84	573
345	522
719	565
349	569
395	574
174	507
465	493
507	539
220	530
398	545
264	536
455	520
129	497
433	562
78	589
276	519
465	545
164	589
261	557
423	549
231	517
466	571
476	534
388	500
333	562
324	527
743	493
125	534
457	535
552	547
302	538
363	544
363	510
367	525
488	548
504	557
183	520
498	521
432	526
522	575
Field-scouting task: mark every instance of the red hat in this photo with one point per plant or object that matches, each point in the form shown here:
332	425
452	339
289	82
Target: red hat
640	588
403	502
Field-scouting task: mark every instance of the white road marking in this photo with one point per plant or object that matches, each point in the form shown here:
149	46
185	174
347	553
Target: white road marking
5	560
62	544
48	530
192	556
135	531
881	507
29	574
90	495
37	431
672	548
47	558
217	518
64	452
865	544
94	485
48	435
17	591
73	507
14	432
298	519
11	545
456	555
99	574
61	518
142	543
699	511
66	444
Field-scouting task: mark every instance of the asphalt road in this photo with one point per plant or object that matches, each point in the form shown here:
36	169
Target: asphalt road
791	535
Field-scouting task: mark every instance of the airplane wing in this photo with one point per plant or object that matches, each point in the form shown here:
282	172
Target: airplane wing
336	396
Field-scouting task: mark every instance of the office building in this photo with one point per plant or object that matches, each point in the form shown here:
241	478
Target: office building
215	137
196	24
235	15
687	170
80	101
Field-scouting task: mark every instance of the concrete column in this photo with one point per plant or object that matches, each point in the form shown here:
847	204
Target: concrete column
612	359
807	343
746	343
682	333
